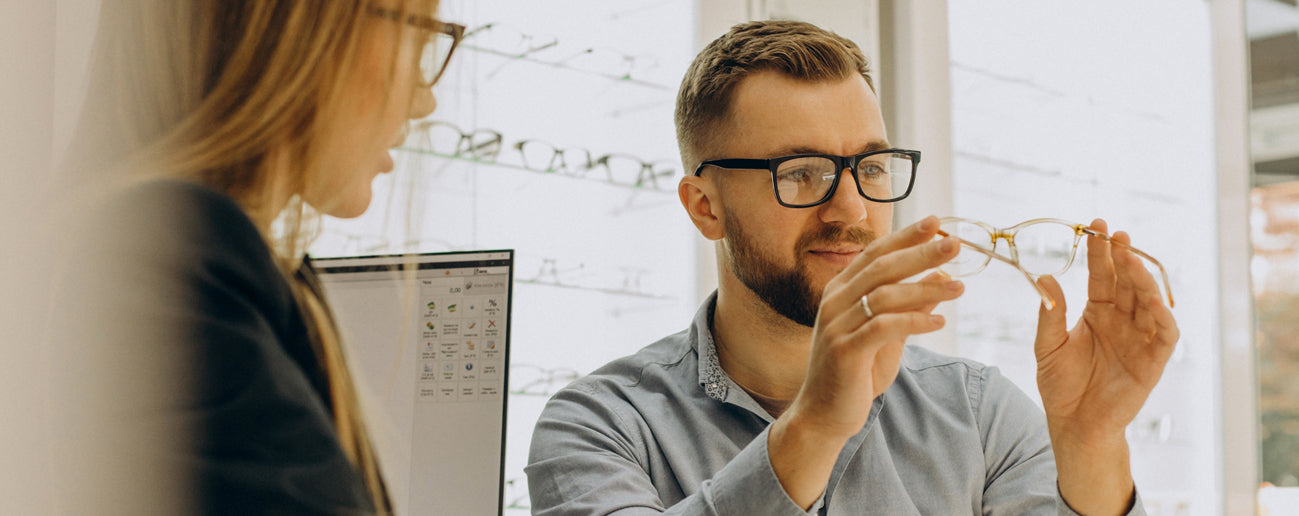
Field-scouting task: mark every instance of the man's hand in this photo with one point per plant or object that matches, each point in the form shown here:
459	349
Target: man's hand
1095	377
854	358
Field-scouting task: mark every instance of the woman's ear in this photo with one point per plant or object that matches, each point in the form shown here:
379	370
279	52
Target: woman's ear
702	200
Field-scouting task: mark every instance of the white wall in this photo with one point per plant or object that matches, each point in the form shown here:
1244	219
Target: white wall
26	29
1098	109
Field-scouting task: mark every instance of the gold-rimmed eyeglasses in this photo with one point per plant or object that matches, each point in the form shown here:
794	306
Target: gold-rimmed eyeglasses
1038	247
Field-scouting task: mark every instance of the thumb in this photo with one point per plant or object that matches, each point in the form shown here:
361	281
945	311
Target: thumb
1051	330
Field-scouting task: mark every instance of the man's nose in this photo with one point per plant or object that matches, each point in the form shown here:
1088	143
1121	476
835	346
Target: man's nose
846	206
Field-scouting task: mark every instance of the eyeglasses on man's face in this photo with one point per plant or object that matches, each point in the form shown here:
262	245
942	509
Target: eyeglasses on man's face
436	52
1038	247
806	180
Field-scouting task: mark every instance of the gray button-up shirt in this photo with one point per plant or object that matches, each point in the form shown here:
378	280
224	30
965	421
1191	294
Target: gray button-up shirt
667	431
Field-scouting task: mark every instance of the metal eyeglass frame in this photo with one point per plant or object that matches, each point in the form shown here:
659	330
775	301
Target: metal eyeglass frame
842	162
1008	234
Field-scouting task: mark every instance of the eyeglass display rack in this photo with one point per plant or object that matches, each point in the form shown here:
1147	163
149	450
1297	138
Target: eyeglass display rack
549	173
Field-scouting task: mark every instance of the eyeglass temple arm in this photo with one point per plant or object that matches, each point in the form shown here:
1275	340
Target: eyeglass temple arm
1163	274
1041	292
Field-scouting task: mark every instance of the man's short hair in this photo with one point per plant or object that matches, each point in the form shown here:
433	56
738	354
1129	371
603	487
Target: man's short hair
797	49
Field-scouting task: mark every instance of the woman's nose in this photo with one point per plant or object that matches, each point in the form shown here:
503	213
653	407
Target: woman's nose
424	103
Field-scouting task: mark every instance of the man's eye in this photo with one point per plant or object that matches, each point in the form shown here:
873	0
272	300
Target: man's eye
872	170
798	175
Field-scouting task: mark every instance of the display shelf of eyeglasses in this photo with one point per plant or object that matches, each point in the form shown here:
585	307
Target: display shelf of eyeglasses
484	146
503	41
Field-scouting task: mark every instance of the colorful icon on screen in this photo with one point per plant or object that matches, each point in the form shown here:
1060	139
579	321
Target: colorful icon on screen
430	325
451	308
469	366
432	305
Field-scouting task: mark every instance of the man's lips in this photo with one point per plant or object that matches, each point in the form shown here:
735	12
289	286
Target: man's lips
837	256
836	250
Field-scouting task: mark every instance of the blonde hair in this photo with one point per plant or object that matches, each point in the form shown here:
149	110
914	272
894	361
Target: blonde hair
796	49
210	92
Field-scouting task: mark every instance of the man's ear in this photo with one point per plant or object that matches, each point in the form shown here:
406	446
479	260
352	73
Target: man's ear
702	201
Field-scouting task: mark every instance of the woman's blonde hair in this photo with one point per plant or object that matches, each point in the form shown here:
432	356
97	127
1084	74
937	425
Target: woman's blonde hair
209	92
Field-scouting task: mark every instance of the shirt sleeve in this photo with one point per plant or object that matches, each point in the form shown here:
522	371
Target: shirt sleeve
1138	508
586	459
1020	467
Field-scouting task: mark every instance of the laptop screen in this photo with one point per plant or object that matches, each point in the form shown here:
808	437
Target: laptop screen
428	340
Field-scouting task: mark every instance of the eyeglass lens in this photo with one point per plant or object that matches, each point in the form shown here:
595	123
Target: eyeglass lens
434	57
446	139
544	157
807	180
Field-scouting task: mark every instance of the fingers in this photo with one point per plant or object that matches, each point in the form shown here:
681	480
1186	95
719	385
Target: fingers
886	328
919	297
1100	267
1052	330
888	269
1124	291
910	236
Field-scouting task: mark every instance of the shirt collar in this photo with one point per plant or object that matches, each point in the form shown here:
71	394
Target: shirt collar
712	379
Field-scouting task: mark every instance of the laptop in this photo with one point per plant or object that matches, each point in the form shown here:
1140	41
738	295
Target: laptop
428	340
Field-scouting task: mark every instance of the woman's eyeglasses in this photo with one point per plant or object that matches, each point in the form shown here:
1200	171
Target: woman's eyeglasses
1039	247
436	52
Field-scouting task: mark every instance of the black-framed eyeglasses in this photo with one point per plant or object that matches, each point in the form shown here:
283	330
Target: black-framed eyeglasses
543	156
436	52
450	140
806	180
647	173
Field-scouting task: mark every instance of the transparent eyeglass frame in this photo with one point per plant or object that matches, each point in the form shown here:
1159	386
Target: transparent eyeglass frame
1008	234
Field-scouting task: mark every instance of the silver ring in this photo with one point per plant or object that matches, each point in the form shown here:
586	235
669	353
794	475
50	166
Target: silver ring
866	307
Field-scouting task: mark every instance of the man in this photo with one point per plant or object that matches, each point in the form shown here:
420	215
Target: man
792	391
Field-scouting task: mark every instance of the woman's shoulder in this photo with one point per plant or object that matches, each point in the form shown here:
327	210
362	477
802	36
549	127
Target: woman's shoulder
177	212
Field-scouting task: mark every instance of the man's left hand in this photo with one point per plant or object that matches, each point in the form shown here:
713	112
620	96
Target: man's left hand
1095	377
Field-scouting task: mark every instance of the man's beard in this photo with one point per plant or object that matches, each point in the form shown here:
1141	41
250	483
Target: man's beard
788	291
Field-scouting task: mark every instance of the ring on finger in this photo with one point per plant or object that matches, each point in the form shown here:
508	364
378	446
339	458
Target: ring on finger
866	307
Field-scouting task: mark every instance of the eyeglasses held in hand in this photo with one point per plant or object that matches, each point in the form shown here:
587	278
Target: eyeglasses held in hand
807	180
436	52
1038	247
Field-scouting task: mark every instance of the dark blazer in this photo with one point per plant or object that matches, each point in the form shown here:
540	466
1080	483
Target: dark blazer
211	373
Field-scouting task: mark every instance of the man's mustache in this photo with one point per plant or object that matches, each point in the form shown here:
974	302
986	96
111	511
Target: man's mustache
832	234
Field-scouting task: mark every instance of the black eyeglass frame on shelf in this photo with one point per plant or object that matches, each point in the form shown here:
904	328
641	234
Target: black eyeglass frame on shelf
454	31
842	162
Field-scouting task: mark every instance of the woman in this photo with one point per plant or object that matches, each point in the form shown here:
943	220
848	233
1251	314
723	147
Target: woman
208	365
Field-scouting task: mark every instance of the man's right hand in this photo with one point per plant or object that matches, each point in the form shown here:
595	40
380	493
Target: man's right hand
854	358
